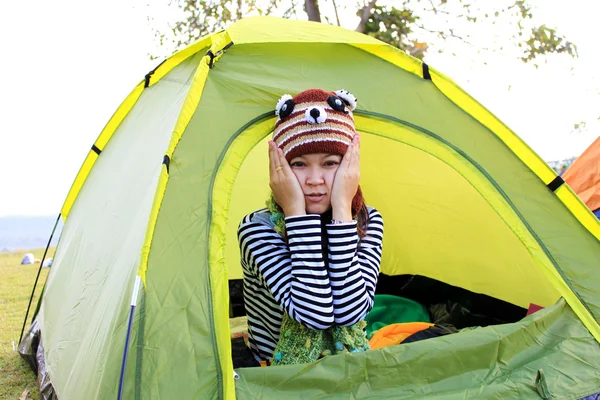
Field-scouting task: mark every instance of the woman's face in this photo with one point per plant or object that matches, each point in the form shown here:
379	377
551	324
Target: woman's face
316	173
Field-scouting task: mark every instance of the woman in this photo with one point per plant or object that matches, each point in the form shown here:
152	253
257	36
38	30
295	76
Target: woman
311	259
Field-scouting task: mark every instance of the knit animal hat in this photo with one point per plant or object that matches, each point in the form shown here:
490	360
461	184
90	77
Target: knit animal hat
316	121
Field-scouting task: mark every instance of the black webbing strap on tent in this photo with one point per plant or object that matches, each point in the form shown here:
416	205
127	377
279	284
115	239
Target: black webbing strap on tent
217	54
426	74
96	149
556	183
167	162
149	74
37	277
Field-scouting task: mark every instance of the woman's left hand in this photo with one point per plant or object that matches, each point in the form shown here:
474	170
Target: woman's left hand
345	183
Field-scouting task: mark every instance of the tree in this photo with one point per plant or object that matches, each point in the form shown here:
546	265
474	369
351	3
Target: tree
411	25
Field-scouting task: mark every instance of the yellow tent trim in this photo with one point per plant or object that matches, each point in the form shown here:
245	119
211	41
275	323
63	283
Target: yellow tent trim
122	112
156	203
518	146
486	118
579	209
100	143
219	41
178	58
277	30
218	279
190	104
221	197
245	32
188	108
394	56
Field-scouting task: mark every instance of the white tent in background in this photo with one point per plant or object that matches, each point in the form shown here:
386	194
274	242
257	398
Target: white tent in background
28	259
47	263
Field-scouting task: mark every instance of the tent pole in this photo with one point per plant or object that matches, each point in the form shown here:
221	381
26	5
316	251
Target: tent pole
37	277
136	288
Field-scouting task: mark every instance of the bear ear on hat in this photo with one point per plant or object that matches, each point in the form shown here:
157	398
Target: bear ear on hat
348	98
284	106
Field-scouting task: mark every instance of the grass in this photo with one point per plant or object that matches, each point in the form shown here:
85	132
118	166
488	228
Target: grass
16	282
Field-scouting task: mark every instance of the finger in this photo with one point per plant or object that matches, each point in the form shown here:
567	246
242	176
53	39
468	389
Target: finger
349	156
282	161
278	153
272	159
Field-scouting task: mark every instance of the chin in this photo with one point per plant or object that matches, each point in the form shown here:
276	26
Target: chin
317	209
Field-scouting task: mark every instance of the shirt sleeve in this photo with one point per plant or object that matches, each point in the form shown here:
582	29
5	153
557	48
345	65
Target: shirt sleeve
354	268
295	272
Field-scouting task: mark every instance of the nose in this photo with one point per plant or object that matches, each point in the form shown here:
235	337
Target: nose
315	113
314	177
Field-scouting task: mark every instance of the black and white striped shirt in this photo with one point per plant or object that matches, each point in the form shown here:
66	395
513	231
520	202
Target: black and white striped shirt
294	277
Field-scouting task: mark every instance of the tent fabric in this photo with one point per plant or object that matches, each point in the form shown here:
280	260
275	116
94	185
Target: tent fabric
583	176
496	362
165	185
100	246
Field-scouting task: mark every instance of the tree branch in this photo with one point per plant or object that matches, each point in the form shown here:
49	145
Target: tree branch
337	17
271	6
312	10
433	7
365	13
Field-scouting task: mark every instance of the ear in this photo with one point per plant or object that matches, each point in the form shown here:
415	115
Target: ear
281	102
348	98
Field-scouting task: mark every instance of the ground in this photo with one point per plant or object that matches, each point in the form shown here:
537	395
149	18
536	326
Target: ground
17	380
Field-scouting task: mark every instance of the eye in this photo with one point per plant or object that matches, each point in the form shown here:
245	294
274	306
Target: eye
286	109
297	164
331	163
336	103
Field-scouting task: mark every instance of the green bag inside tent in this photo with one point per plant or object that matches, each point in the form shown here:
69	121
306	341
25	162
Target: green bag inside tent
388	309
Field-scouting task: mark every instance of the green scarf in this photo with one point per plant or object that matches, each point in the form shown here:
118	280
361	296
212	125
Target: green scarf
298	344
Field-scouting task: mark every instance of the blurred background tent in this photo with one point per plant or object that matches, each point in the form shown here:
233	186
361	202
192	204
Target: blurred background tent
583	176
28	259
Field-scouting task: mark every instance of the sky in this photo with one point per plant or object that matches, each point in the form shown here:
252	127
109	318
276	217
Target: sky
67	65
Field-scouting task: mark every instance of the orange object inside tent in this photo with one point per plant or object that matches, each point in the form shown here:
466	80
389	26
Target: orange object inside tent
583	176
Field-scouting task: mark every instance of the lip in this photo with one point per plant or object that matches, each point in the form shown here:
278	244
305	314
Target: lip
315	197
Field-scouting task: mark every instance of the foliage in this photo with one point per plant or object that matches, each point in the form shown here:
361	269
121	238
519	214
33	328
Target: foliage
411	25
394	26
15	288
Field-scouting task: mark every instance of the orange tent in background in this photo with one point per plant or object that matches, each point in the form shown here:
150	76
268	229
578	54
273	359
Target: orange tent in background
583	176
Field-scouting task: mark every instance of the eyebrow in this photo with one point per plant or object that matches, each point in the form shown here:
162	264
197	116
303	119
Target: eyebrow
304	159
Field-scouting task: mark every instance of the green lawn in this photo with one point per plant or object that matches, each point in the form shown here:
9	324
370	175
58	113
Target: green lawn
16	282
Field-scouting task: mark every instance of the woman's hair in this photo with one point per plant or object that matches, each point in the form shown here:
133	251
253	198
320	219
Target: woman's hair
278	218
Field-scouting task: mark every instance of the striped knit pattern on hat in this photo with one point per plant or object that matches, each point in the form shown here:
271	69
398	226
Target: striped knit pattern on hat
314	126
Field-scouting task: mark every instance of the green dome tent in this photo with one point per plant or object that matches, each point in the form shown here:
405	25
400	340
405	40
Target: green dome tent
151	219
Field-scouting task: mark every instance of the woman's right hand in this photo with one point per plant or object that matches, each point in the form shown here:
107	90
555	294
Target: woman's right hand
284	184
